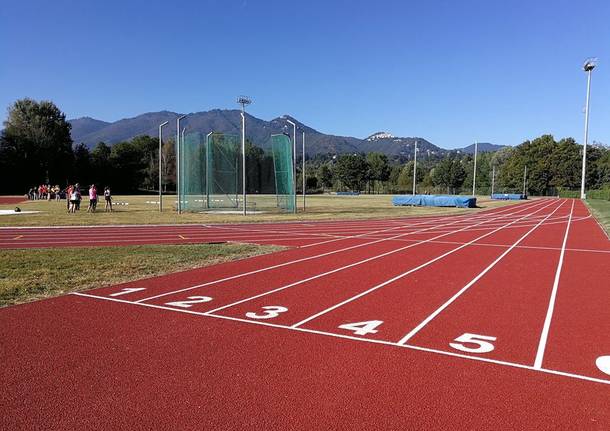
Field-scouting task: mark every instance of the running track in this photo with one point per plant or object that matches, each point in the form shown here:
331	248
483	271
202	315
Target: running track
495	320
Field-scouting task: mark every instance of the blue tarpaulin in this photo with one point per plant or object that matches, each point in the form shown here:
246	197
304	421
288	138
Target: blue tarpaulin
435	201
508	196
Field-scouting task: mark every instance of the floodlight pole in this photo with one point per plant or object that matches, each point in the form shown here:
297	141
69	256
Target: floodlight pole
160	180
414	168
474	173
243	101
304	171
524	179
294	162
178	163
493	178
207	170
588	67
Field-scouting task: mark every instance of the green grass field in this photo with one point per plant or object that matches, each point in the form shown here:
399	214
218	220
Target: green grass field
601	210
26	275
319	207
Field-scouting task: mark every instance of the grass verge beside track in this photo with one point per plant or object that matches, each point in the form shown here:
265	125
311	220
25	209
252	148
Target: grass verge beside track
26	275
319	207
601	210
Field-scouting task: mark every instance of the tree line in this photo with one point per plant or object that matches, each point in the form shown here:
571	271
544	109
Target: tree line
36	147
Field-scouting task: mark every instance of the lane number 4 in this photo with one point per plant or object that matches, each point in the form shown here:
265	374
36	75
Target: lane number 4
363	328
482	343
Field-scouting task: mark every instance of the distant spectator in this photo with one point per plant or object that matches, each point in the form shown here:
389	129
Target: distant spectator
92	199
108	199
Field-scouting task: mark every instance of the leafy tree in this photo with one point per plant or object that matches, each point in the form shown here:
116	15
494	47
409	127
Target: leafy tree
35	146
325	176
82	165
379	169
351	170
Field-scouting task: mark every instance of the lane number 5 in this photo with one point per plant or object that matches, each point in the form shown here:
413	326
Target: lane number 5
270	312
481	341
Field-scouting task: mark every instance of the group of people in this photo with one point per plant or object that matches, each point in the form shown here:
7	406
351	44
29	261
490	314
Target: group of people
73	196
44	191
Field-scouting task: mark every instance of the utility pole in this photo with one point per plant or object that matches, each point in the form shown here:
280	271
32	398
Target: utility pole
474	173
415	169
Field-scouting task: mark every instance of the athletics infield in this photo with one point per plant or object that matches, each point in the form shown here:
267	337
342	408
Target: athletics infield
492	320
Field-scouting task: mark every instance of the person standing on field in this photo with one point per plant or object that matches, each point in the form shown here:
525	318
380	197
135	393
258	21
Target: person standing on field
92	199
108	199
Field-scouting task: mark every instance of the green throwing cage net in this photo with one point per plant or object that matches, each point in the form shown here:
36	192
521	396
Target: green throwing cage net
281	147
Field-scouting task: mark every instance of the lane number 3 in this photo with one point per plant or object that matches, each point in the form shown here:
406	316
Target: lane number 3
270	311
481	341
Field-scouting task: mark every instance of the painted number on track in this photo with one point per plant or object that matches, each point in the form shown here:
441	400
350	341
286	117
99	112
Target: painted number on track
603	363
363	328
481	341
192	300
127	290
270	312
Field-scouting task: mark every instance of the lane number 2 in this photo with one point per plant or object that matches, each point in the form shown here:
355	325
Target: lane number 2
270	311
481	341
363	328
192	301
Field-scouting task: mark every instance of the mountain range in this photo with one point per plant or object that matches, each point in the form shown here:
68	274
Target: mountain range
90	131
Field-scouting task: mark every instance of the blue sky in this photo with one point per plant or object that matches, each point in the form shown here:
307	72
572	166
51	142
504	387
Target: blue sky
450	71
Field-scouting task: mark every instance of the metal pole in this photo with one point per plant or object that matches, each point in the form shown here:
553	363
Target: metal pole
178	162
493	178
524	179
304	171
160	179
207	170
243	155
415	169
179	174
584	149
294	163
474	174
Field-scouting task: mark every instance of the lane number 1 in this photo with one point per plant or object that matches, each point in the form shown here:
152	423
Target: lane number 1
127	290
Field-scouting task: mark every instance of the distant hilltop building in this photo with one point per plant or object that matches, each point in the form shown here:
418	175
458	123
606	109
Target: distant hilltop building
380	135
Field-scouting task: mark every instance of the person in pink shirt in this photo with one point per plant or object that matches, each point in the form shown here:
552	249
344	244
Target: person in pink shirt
92	199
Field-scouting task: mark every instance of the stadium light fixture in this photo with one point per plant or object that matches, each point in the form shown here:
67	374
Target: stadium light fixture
165	123
243	101
178	158
415	168
474	172
588	67
294	161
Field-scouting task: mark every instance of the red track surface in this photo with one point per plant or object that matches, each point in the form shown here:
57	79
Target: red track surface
9	200
532	280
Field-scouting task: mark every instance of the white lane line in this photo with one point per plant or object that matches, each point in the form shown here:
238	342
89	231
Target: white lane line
349	337
309	258
404	274
549	313
439	310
